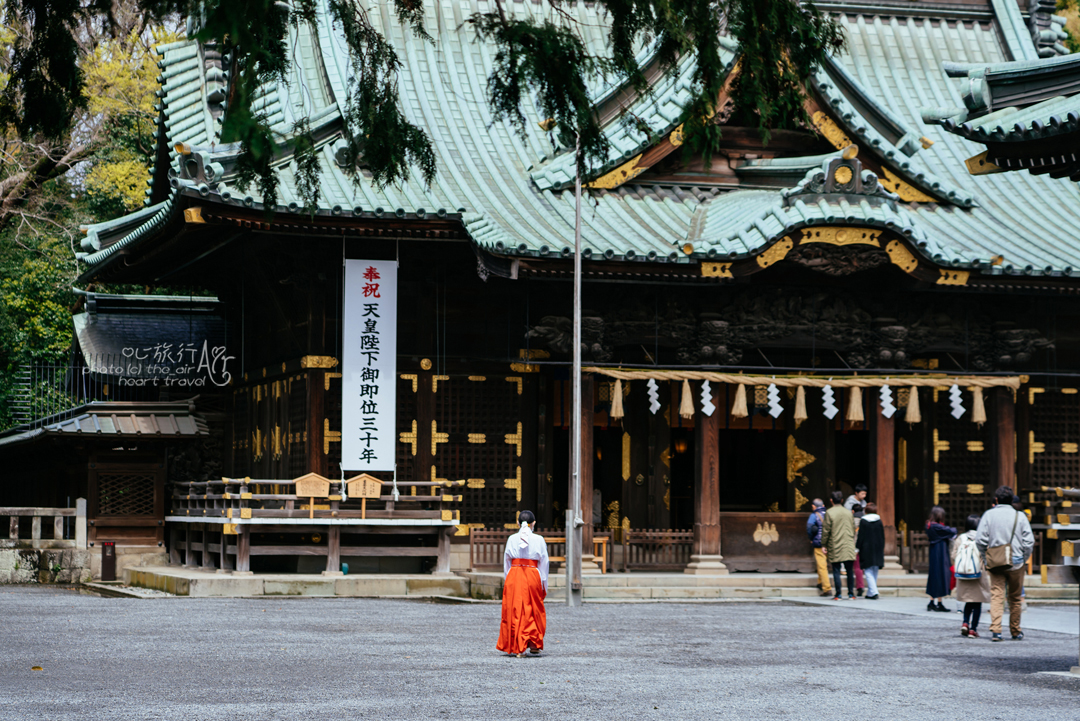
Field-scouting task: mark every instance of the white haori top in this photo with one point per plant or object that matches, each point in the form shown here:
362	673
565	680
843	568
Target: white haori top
526	544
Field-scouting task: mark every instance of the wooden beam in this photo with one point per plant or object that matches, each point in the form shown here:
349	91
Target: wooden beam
333	552
243	549
588	403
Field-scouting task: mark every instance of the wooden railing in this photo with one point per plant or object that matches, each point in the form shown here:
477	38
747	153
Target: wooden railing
237	498
213	522
656	549
486	547
64	534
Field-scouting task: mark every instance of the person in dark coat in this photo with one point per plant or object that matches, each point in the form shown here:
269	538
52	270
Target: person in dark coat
871	546
938	536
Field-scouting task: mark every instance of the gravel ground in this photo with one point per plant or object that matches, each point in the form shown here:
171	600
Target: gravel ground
326	659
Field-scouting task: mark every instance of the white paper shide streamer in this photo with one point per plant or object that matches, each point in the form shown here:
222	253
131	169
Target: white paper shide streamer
956	400
775	409
828	400
654	396
707	406
887	407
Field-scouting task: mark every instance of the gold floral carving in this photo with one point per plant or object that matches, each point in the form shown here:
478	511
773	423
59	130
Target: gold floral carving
437	438
435	382
475	483
940	446
410	437
980	165
625	172
411	377
1032	392
516	379
939	488
425	364
667	499
907	193
975	446
901	256
830	130
797	459
1069	447
613	515
329	437
766	533
776	252
841	236
843	175
953	277
318	361
327	378
515	483
478	379
800	499
716	270
514	439
676	137
1034	447
976	489
477	438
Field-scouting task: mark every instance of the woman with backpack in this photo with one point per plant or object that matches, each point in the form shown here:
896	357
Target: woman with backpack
938	577
972	580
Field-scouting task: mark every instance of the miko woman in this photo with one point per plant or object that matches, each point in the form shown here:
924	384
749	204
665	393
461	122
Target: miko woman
525	569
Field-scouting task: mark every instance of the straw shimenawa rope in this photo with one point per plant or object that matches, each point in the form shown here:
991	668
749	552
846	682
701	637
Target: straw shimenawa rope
738	409
800	406
686	403
913	415
616	401
854	407
978	408
811	381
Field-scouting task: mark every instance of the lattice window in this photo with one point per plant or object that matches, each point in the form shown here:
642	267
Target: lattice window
958	506
962	452
494	507
406	416
296	430
125	494
1054	418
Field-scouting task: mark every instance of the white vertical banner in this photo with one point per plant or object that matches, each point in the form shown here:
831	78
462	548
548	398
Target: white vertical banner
369	370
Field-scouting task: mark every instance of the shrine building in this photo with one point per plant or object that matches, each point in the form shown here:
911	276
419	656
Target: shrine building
854	302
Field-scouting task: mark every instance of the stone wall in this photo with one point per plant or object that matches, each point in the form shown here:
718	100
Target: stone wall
67	565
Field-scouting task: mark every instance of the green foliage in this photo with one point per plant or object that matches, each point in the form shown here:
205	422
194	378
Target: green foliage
35	294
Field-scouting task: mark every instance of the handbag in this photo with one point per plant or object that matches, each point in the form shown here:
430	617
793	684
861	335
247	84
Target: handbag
999	558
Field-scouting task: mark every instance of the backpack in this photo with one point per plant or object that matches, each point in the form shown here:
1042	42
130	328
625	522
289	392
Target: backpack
968	565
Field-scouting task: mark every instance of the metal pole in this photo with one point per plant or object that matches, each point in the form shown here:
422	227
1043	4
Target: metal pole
573	510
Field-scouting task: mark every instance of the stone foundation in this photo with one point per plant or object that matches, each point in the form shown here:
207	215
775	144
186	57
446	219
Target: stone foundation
71	565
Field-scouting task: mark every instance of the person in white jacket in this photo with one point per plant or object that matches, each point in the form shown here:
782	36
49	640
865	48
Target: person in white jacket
525	574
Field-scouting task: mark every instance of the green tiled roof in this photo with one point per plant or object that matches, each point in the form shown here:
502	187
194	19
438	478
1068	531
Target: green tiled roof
513	194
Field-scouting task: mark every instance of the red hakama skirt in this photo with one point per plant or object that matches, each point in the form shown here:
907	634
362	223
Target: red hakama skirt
524	620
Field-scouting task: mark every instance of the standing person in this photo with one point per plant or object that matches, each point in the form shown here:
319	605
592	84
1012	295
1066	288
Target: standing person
871	544
1005	537
838	538
525	570
856	503
938	577
814	526
972	580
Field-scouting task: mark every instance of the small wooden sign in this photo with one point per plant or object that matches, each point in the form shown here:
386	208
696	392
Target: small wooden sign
313	486
364	486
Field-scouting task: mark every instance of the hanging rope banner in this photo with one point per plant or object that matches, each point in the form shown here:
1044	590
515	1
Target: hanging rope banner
978	407
616	401
800	406
913	415
686	404
738	409
915	381
854	408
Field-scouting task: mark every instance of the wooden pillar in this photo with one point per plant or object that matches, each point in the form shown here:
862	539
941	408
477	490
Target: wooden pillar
1003	409
588	404
174	545
243	550
883	473
189	560
333	552
442	562
706	558
207	559
316	413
